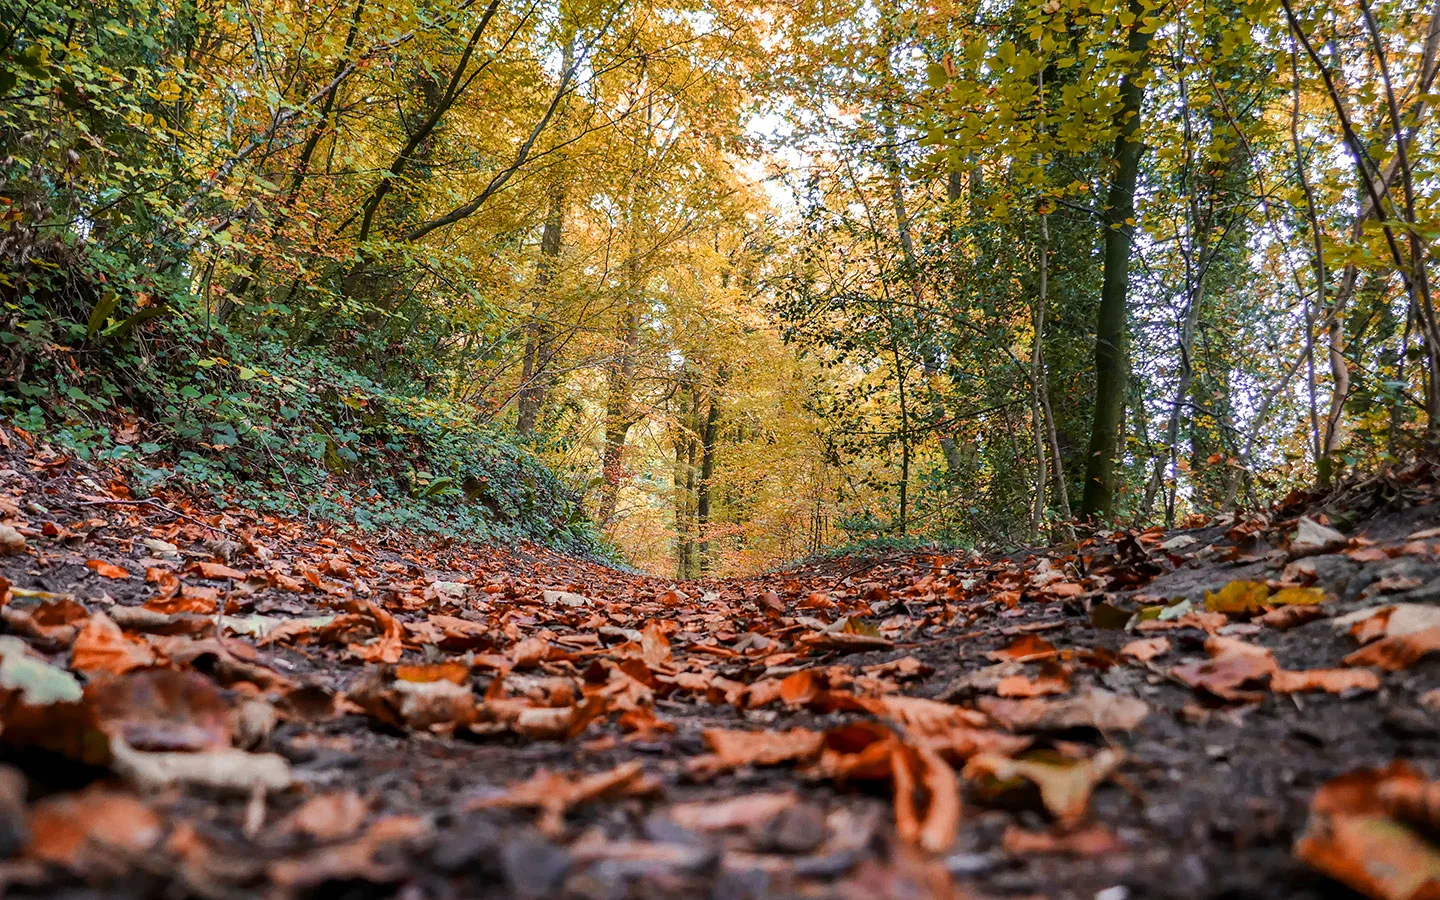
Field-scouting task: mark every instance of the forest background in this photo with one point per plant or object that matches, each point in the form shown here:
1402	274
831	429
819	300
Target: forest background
713	284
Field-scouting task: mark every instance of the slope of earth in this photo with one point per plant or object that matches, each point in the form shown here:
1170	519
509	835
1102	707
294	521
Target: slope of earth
217	704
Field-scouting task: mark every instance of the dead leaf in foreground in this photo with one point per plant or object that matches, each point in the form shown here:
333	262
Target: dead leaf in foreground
1399	652
1065	784
555	794
1351	838
734	748
927	798
1334	681
1096	840
1098	709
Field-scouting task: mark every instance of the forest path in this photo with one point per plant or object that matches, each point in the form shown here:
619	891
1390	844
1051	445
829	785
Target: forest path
379	717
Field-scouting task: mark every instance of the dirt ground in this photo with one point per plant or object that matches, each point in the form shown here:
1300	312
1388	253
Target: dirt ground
212	703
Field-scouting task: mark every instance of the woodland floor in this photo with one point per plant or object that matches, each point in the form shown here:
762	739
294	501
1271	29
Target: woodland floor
557	728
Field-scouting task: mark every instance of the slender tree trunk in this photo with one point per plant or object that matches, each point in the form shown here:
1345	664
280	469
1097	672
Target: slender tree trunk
1111	362
929	357
709	439
535	376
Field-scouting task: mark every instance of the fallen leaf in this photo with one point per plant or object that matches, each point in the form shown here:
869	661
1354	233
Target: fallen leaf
743	812
734	748
555	794
1024	648
389	646
1312	538
107	570
1352	838
1065	784
163	710
1053	678
328	817
12	542
1399	652
228	770
83	830
1094	840
1146	649
1287	617
1334	681
100	646
1098	709
218	571
1230	671
1238	597
927	798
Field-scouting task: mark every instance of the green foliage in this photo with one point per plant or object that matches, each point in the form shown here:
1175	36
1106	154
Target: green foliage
297	433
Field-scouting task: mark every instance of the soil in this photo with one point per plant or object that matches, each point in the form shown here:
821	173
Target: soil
1208	802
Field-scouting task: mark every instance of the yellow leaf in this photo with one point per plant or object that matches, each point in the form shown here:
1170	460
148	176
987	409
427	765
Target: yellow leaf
1298	596
1238	596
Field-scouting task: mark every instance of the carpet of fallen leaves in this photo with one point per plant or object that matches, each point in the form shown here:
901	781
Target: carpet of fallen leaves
214	703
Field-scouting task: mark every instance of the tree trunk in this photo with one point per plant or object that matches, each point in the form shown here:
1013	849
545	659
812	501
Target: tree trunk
1111	362
535	375
708	440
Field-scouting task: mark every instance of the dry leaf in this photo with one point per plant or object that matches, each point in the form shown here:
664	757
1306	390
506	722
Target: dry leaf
1098	709
1094	840
1065	784
1146	649
100	646
735	748
328	817
927	798
1334	681
1352	838
108	570
1024	648
87	828
1399	652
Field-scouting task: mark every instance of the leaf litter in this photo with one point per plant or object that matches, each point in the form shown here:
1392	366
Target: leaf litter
294	709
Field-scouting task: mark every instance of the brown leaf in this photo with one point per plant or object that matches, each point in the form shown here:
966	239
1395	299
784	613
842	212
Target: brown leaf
1146	649
927	798
389	646
1096	709
328	817
218	571
1094	840
100	646
555	794
1024	648
1399	652
1352	838
1286	617
1065	784
163	710
1053	678
655	645
84	830
744	812
1334	681
734	748
107	570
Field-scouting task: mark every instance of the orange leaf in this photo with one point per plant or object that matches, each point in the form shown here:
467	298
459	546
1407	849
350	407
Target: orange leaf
100	646
1334	681
927	798
1399	652
1024	648
218	571
108	570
